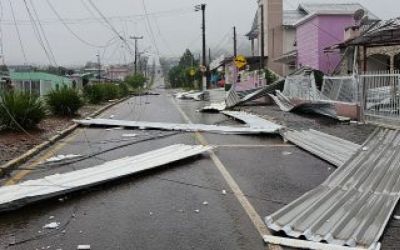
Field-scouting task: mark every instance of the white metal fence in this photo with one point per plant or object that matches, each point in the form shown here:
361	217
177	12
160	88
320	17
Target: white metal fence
341	88
381	96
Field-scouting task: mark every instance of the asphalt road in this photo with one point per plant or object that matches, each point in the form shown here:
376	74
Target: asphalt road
157	209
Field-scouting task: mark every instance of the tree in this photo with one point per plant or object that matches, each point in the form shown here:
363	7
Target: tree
136	81
180	75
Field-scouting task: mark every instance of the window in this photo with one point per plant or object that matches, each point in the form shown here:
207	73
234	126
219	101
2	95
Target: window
35	88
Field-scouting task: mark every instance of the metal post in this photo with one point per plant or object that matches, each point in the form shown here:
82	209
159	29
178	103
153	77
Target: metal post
136	38
203	9
262	54
234	42
99	63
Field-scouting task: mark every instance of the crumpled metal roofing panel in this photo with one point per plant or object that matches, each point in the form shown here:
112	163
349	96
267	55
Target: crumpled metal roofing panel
353	206
15	196
267	128
253	121
330	148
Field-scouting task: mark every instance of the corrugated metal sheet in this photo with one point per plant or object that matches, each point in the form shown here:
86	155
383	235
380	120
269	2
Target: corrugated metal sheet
353	206
253	121
330	148
15	196
232	99
267	128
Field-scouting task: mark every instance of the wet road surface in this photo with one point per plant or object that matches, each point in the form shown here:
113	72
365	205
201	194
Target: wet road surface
164	209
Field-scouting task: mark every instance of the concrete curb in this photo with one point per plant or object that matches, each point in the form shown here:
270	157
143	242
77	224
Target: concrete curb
10	165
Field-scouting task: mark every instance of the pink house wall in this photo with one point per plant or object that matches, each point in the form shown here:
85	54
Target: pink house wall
318	33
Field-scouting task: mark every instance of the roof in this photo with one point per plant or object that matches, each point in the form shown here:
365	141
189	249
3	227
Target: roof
291	17
315	9
37	76
253	33
382	33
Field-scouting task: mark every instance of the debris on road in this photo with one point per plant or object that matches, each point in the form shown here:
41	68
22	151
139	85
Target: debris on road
396	217
15	196
52	225
327	147
353	206
129	135
224	192
286	153
62	157
205	203
214	107
83	247
255	125
197	211
195	95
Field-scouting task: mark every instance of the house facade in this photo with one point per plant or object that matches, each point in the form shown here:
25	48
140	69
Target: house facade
297	38
38	83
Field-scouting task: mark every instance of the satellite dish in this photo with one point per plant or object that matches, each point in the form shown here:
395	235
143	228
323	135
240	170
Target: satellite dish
359	14
364	20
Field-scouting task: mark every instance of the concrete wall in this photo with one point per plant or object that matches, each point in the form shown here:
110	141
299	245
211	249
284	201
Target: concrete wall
318	33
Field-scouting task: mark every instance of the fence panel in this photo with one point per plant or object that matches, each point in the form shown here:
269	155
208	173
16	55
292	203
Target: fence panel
380	94
341	88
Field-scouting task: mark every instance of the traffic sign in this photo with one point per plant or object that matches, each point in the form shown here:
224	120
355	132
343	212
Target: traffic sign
240	61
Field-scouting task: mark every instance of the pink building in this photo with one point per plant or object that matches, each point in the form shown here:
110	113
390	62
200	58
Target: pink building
323	26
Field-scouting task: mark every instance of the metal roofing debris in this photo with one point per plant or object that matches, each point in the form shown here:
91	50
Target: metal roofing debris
198	96
353	206
15	196
214	107
253	121
302	244
266	128
330	148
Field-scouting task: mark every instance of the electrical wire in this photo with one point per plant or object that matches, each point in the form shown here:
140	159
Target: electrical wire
43	32
18	32
69	28
37	32
153	39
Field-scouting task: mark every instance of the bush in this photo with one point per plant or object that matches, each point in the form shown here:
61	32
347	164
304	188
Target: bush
136	81
20	110
123	90
103	92
64	101
94	93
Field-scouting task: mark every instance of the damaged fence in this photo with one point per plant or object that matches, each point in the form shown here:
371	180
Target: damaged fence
381	96
353	206
15	196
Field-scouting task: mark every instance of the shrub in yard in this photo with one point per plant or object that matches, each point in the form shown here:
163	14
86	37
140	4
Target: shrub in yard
136	81
64	101
20	110
111	91
123	89
94	93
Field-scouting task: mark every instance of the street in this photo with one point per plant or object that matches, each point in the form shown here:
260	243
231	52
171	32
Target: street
164	209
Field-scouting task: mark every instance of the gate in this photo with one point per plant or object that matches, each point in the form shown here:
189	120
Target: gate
380	97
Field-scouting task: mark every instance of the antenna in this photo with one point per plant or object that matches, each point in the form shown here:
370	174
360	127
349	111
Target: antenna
358	15
364	20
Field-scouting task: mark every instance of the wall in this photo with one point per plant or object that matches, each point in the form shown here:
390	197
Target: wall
318	33
331	32
307	44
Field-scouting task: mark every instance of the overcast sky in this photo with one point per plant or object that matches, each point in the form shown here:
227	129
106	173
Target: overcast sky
174	24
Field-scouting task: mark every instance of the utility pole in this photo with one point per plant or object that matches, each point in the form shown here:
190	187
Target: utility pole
234	42
202	7
99	64
136	38
262	54
209	55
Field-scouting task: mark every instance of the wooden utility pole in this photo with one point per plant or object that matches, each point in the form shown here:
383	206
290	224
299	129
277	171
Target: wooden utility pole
262	54
234	42
202	7
136	38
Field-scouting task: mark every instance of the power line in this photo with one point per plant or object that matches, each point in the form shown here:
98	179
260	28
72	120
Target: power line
18	31
43	32
37	32
69	28
113	29
150	28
